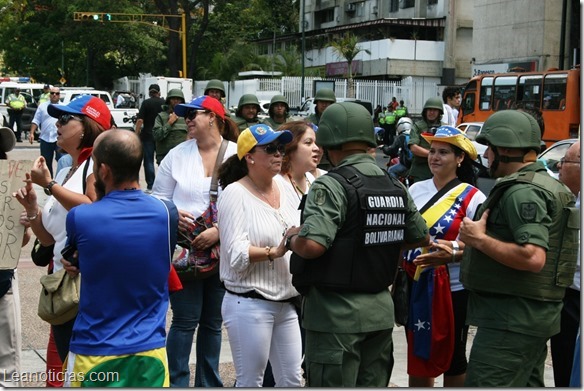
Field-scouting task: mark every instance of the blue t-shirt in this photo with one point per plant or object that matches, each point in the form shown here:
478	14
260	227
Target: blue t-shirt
125	246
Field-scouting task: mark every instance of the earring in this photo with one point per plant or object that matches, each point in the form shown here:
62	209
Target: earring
252	161
210	123
82	134
458	164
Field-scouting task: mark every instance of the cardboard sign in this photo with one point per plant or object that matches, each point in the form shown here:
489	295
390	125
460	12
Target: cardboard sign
12	174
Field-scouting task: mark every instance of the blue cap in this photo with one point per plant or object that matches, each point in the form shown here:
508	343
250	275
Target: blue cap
260	134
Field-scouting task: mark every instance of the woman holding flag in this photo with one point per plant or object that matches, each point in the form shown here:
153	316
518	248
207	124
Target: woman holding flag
436	330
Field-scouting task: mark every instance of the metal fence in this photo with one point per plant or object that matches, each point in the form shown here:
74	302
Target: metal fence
414	92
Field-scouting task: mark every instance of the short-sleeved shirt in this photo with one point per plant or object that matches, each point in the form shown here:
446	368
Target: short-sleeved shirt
419	169
508	223
324	214
148	112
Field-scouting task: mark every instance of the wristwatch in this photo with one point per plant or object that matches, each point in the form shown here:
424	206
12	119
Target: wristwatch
289	241
49	187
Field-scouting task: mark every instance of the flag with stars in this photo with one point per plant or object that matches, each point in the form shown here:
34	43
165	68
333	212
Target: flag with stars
430	329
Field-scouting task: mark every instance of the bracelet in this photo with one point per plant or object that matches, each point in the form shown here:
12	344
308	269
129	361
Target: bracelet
31	218
455	248
270	260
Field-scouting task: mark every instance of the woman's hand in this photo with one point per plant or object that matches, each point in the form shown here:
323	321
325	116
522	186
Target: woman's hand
439	253
71	270
40	173
27	197
278	252
186	221
23	220
206	239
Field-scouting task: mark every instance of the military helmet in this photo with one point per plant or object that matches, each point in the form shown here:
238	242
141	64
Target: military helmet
249	99
511	129
325	94
215	84
404	125
278	99
175	93
345	122
434	103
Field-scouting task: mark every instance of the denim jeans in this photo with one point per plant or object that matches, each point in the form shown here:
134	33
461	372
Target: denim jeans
197	304
149	148
47	151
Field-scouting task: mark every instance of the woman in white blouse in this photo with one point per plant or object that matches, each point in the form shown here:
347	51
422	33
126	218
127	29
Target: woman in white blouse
254	212
184	177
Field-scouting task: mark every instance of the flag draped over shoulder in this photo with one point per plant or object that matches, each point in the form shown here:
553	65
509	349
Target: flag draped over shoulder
430	329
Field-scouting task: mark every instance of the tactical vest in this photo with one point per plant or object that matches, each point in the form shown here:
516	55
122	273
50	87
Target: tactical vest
364	254
481	273
381	118
390	118
401	111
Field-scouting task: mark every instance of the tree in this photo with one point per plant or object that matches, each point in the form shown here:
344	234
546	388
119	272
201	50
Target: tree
346	47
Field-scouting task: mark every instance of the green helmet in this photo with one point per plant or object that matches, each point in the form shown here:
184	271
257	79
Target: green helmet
434	103
325	94
345	122
511	129
248	99
278	99
175	93
215	84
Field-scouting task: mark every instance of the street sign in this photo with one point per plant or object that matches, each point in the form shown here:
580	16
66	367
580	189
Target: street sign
62	80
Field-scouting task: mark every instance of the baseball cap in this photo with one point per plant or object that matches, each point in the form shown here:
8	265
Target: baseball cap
46	86
202	102
87	105
154	87
453	136
260	134
7	139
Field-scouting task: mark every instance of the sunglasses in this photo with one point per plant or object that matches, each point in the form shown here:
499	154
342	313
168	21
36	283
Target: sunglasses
65	118
271	149
564	161
55	93
192	114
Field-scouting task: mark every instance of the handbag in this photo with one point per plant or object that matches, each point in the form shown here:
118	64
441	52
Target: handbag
190	263
59	298
400	291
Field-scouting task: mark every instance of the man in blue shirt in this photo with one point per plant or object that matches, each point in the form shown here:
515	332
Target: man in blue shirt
124	243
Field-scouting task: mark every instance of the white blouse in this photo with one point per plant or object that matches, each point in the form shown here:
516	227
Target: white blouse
246	220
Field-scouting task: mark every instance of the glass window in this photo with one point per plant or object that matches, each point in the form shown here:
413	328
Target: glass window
504	92
554	92
486	93
394	6
529	90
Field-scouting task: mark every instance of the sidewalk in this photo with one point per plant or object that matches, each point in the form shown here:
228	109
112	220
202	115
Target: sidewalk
35	332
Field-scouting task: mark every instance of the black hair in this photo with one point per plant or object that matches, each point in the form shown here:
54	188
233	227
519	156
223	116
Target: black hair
450	92
466	172
124	157
231	171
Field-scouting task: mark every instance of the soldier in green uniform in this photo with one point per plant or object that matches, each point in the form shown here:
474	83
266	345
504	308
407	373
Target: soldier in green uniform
278	111
430	121
247	111
346	254
169	129
323	99
520	256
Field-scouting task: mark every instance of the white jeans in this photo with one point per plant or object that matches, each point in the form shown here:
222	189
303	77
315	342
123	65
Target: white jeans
260	330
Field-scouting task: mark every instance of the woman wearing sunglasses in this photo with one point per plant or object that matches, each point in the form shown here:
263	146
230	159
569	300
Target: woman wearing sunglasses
254	213
78	125
184	177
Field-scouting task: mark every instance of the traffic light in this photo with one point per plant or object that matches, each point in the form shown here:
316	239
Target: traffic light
107	17
96	17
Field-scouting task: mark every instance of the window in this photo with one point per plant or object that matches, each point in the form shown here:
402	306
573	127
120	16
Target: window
486	93
432	2
409	3
529	90
324	16
393	5
504	92
554	92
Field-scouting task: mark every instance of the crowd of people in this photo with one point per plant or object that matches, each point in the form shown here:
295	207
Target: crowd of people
240	227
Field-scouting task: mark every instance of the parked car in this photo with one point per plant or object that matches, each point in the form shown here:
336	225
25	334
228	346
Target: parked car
308	106
472	130
551	156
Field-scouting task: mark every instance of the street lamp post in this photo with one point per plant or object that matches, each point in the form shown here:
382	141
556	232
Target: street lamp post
303	51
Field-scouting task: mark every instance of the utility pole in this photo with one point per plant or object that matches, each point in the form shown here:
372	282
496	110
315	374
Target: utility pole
147	19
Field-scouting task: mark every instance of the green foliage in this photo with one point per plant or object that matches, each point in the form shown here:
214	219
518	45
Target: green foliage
39	38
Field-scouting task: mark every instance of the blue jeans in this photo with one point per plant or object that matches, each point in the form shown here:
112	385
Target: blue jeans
197	304
149	148
47	151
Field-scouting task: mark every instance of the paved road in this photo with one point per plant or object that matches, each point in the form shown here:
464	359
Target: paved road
35	331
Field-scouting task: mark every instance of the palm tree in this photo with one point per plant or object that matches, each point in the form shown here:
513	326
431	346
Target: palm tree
347	48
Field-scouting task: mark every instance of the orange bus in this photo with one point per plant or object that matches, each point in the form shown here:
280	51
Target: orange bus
556	93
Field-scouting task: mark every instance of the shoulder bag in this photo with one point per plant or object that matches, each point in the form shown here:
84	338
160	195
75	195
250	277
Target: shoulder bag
59	299
190	263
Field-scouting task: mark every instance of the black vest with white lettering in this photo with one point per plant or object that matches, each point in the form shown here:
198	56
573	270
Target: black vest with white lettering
364	254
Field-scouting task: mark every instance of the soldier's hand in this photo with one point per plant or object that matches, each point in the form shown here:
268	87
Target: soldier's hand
471	232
